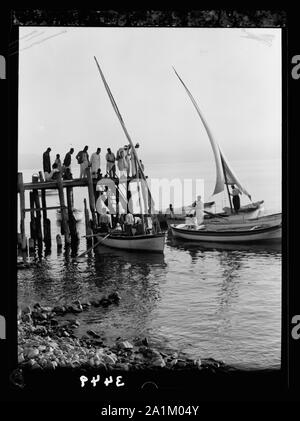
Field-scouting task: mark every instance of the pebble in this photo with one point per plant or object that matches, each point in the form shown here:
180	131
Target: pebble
21	358
122	366
125	345
93	334
110	359
26	310
105	302
59	309
40	345
159	362
42	348
198	363
30	353
52	364
114	297
26	318
95	303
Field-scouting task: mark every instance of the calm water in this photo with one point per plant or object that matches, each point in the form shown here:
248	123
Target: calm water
208	300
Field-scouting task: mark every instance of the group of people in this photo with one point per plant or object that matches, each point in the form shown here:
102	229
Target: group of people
196	218
125	160
123	223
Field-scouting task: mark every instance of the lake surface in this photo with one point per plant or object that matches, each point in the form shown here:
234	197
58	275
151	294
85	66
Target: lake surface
205	300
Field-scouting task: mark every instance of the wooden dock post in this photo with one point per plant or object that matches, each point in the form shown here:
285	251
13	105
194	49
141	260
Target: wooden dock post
38	217
64	214
46	223
72	220
22	205
32	218
117	201
91	196
88	230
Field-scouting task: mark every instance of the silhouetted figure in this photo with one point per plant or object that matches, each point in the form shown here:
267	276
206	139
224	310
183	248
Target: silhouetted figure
236	198
47	163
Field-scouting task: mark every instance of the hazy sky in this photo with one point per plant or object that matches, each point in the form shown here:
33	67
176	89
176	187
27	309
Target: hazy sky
234	75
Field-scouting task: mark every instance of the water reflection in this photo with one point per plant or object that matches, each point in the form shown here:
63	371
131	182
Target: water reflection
231	265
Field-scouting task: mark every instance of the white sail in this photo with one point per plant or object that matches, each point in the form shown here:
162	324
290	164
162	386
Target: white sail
230	177
224	173
219	187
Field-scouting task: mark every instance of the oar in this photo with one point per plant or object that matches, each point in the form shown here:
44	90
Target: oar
98	242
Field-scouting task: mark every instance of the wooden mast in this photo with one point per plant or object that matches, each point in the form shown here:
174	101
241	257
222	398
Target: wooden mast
115	107
226	183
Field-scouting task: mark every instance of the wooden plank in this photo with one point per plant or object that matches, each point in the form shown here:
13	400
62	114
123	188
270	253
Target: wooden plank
51	185
45	208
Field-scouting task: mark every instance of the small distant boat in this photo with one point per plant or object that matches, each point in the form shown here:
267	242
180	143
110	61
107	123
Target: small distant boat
78	214
256	233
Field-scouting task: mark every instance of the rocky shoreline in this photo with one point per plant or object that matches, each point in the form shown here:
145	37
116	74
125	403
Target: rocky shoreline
46	340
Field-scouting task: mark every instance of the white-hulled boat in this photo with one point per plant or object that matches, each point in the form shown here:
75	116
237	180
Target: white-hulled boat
235	221
256	233
153	240
225	175
78	215
154	243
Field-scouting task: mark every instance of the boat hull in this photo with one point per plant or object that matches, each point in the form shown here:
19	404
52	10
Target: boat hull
246	208
269	220
146	243
235	221
254	234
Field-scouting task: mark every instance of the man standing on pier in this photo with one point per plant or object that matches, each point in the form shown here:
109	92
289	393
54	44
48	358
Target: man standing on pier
67	160
95	162
110	163
83	159
47	164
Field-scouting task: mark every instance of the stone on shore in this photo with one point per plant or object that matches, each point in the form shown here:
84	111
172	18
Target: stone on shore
125	345
93	334
158	362
114	297
26	310
46	342
30	353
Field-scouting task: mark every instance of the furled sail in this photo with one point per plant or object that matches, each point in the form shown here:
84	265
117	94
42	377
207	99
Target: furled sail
224	174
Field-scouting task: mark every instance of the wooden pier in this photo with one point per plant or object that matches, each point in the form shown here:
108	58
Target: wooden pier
40	225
